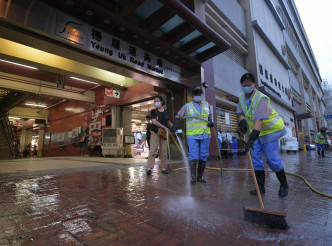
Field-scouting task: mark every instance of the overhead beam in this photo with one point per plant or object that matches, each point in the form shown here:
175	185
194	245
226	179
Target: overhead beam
209	53
179	32
33	86
129	7
195	44
158	18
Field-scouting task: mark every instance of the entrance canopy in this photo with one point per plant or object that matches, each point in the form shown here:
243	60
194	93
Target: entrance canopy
167	28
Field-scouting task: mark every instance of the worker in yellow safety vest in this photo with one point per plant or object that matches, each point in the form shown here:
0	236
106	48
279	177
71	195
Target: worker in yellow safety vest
266	127
198	132
320	141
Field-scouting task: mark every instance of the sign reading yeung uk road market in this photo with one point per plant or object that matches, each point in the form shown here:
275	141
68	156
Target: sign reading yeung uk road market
114	48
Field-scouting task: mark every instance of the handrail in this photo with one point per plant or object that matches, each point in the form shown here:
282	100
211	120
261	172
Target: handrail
9	134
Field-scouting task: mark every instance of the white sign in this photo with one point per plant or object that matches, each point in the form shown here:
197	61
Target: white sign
227	118
114	48
112	93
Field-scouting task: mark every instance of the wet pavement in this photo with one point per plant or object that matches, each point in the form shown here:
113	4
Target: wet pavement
100	201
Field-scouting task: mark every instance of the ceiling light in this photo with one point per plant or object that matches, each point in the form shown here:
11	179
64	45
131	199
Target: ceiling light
136	120
146	41
18	64
107	22
135	36
157	48
84	80
36	105
15	118
122	29
166	52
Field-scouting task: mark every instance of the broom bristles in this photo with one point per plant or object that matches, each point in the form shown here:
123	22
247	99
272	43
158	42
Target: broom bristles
272	219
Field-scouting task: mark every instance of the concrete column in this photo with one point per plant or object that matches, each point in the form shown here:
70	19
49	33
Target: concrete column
126	120
116	117
41	139
314	118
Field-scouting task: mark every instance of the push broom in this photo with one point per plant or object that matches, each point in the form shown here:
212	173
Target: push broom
261	216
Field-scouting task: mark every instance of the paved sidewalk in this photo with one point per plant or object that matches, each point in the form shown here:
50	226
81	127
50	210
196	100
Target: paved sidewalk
120	205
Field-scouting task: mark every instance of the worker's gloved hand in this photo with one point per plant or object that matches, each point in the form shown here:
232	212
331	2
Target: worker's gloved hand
252	138
210	124
175	124
243	126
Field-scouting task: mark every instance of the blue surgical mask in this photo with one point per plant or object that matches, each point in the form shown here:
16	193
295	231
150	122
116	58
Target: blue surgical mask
157	104
247	89
197	98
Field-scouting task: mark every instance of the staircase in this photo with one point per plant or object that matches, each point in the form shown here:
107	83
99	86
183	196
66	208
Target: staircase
8	100
7	148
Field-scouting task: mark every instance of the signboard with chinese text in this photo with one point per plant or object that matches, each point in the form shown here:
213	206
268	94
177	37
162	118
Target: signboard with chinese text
79	32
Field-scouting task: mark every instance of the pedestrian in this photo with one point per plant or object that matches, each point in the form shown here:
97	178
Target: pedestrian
198	132
85	140
160	123
266	127
320	141
148	131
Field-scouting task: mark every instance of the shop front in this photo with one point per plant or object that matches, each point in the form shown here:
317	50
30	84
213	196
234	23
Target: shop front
79	73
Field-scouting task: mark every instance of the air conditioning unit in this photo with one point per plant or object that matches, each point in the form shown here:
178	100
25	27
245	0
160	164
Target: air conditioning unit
112	142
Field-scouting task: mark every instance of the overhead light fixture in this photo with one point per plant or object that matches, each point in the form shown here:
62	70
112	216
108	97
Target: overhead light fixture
15	118
36	105
136	120
84	80
18	64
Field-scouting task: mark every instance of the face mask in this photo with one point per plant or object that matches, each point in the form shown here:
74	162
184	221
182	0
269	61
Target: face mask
247	89
197	98
157	104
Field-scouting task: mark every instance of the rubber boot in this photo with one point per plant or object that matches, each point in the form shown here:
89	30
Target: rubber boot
192	165
283	191
260	177
322	153
200	171
318	152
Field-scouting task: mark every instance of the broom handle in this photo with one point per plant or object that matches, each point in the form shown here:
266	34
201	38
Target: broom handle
255	180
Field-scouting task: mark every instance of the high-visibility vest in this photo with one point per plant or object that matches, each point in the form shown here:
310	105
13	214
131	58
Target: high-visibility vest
271	125
197	126
320	138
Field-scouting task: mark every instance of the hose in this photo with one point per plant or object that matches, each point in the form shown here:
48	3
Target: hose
221	169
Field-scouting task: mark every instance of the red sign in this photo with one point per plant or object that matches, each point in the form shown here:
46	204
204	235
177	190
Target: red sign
112	93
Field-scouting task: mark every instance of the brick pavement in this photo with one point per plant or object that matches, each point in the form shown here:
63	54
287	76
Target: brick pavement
125	207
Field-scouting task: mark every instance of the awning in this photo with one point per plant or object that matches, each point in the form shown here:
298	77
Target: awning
167	28
303	115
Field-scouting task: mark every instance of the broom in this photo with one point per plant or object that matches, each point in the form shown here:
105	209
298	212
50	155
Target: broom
261	216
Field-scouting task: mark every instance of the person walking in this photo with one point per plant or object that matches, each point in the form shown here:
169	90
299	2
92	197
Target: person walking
198	132
266	127
160	124
320	141
85	140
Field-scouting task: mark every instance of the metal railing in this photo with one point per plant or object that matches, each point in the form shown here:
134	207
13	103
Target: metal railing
9	133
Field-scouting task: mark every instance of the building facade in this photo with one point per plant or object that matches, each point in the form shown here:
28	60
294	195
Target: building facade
98	64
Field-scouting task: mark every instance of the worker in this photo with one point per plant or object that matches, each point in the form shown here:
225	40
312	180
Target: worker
198	132
320	141
266	128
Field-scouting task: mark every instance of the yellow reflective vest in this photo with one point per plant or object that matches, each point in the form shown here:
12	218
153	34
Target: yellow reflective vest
197	126
271	125
320	138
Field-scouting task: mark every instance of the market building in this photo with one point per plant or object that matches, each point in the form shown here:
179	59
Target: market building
70	64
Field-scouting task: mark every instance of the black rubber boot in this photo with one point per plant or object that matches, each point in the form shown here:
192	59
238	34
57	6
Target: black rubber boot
200	171
322	153
192	165
260	177
318	152
283	191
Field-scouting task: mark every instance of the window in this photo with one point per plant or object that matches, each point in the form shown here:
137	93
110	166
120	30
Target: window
286	91
266	74
271	79
279	85
275	82
261	69
282	87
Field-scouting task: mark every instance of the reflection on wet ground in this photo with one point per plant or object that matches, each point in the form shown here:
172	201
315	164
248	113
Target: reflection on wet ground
125	207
